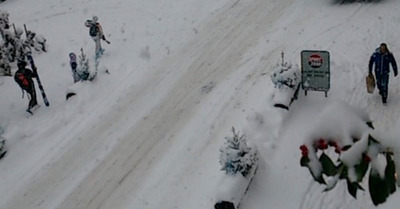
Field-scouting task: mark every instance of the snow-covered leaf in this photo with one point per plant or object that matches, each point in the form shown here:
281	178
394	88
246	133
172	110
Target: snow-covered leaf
328	167
377	187
361	170
390	172
304	161
352	187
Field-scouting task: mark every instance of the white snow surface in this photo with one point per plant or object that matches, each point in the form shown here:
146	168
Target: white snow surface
182	73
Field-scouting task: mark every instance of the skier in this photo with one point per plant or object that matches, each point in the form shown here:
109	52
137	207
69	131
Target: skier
96	32
381	58
23	76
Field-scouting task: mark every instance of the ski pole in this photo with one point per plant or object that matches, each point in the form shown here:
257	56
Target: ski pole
26	31
104	39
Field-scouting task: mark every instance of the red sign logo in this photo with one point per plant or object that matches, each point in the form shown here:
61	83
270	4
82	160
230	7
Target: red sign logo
315	61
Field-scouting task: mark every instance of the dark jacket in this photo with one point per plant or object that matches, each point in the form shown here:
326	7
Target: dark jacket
382	62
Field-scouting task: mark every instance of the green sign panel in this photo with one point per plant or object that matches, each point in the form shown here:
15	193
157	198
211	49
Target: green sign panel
315	71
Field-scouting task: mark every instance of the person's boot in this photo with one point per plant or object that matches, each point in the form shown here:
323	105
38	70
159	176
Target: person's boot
384	100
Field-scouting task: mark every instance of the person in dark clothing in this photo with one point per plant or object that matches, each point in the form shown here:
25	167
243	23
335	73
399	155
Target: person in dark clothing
23	76
381	58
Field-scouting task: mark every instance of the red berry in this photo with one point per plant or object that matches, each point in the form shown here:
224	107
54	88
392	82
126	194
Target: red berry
321	144
366	158
304	150
321	141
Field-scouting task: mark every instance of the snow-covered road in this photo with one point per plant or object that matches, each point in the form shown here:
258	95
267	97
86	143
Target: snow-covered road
155	119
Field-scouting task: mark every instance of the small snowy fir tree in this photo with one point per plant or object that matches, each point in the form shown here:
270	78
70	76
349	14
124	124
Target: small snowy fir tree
285	75
235	156
83	67
286	79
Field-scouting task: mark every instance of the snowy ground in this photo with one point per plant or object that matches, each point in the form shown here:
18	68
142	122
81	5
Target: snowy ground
182	73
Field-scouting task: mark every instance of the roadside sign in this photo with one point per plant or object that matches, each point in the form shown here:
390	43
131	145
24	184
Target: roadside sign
315	71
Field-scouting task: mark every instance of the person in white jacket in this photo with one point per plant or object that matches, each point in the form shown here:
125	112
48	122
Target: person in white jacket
96	32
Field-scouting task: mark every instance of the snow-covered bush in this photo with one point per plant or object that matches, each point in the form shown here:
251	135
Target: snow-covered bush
235	156
286	79
4	22
14	45
83	68
341	147
285	76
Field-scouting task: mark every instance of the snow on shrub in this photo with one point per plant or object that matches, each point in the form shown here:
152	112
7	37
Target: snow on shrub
83	69
239	161
286	79
285	76
342	133
235	156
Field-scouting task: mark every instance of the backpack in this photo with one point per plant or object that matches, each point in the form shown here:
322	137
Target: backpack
94	30
22	80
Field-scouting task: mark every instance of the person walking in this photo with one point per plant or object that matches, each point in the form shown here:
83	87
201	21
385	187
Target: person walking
23	76
381	58
96	32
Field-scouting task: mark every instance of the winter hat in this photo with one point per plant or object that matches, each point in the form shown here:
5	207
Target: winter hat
384	46
72	55
95	18
21	63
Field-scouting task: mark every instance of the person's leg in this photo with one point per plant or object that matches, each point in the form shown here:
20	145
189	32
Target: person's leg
97	45
378	81
384	87
33	100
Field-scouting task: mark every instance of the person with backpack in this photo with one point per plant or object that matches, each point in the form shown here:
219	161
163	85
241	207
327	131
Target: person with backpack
23	76
381	58
96	32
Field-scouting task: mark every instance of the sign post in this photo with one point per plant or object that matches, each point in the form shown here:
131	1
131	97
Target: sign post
315	71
